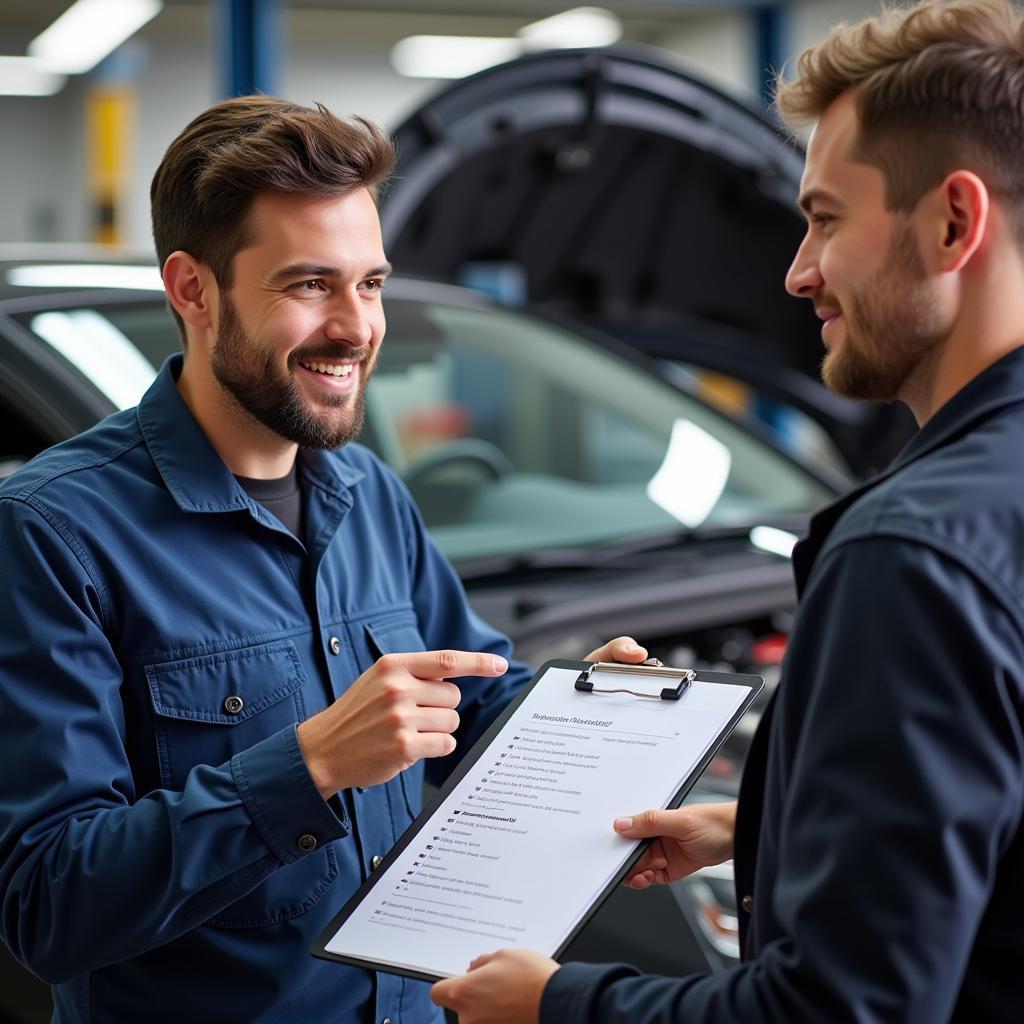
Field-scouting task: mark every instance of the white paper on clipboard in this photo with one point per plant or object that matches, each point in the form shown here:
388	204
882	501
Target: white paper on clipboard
523	845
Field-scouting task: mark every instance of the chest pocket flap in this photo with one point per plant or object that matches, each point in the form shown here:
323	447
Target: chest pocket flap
210	707
396	635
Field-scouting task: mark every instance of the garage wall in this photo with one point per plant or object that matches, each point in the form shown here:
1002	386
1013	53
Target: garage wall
338	57
721	47
810	20
42	162
179	84
43	156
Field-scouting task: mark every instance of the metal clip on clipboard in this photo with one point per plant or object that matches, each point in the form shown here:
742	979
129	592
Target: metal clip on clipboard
585	682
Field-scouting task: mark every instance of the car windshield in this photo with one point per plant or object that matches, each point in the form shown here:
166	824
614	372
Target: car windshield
512	433
515	434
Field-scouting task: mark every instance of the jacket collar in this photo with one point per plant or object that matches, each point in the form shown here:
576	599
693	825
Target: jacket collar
190	467
995	388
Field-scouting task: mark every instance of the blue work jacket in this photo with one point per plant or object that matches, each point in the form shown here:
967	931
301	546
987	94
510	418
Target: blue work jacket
879	850
164	853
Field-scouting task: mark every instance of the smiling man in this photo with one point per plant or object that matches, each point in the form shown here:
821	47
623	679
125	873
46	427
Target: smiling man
226	641
878	836
883	327
296	372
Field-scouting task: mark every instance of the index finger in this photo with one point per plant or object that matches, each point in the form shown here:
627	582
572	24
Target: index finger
450	664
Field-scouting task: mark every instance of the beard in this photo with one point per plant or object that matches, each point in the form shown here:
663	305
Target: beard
892	328
249	372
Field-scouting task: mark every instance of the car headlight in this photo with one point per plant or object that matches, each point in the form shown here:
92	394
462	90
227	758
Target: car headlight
713	893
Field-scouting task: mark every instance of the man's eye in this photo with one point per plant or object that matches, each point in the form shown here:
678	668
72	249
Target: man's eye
822	218
373	284
314	284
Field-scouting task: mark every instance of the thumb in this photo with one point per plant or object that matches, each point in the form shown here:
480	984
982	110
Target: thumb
648	824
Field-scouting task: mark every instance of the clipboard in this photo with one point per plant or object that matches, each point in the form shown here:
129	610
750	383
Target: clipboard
425	884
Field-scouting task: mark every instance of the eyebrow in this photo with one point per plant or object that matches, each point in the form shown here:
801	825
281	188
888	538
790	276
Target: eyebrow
294	270
808	199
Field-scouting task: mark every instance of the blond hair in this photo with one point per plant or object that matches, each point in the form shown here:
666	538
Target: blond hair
939	87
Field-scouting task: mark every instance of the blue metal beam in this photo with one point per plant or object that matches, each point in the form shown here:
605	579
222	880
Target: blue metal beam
249	34
770	36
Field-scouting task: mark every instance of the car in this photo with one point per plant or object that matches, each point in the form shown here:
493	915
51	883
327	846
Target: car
580	489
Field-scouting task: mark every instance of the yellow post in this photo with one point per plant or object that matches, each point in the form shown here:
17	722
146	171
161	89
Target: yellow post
110	129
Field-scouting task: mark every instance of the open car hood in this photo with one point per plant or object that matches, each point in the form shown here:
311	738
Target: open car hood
626	194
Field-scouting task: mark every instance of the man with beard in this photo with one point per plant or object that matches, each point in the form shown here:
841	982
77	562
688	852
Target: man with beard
878	843
225	638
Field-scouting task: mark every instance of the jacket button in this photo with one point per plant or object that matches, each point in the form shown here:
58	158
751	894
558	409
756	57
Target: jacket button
335	645
386	1020
747	903
376	862
306	842
232	705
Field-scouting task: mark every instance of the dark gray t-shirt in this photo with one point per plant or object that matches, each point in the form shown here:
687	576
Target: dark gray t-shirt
281	497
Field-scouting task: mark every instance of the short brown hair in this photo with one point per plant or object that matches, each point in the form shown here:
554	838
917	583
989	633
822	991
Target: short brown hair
240	148
939	86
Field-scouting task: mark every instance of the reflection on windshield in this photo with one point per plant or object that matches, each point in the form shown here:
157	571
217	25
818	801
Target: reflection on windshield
89	341
692	479
86	275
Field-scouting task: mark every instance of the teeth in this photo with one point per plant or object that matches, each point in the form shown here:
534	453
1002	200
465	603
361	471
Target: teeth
331	369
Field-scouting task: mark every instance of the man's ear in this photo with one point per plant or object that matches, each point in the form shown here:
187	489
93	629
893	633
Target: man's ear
191	289
964	207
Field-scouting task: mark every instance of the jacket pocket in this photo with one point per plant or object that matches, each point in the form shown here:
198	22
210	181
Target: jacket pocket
208	708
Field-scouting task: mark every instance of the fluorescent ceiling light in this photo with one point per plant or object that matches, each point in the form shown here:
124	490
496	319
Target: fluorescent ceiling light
102	352
458	56
775	542
450	56
25	76
86	275
582	26
88	30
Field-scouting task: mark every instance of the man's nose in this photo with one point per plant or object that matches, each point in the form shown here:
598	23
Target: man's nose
803	277
348	321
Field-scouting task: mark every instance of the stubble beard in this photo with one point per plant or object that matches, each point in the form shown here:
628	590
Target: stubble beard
249	373
893	330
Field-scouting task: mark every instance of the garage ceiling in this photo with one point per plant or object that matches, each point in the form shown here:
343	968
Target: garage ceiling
23	20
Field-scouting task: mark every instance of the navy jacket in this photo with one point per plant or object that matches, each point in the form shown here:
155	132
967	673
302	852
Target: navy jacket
164	853
879	831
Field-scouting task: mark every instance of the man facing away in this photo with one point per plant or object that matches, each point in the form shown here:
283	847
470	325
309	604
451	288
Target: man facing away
878	844
225	637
